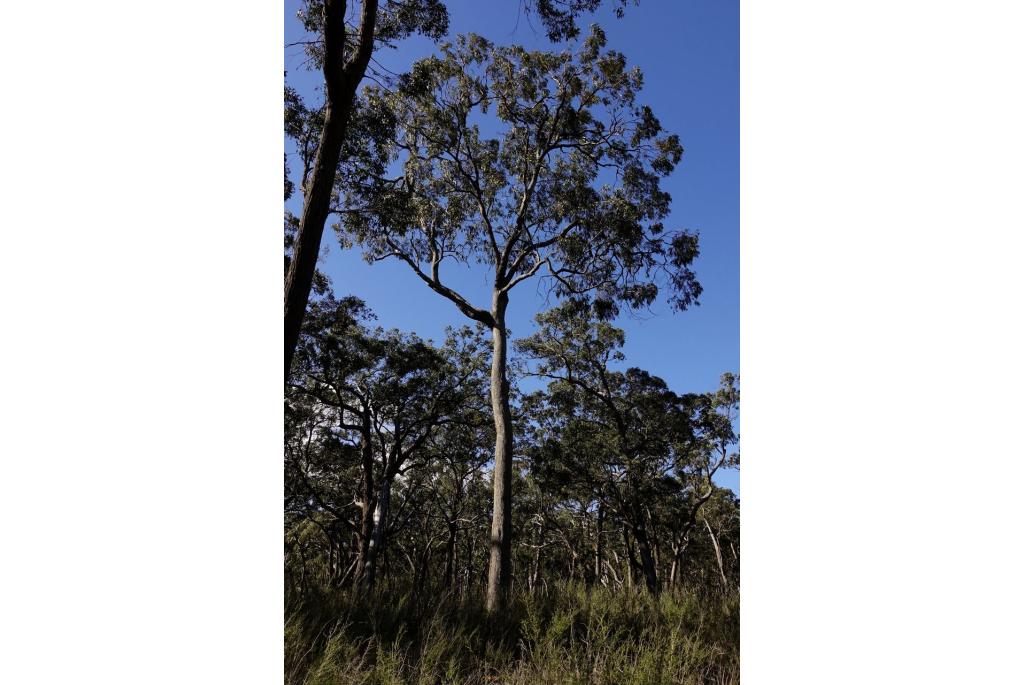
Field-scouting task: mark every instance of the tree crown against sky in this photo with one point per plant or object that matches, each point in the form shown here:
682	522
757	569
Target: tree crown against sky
693	94
397	20
623	438
531	163
407	385
622	427
569	184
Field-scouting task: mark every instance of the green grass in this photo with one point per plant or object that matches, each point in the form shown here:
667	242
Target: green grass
566	635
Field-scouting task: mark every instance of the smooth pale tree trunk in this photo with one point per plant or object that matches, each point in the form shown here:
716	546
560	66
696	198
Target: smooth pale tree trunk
341	80
499	571
348	572
718	556
678	549
598	546
541	529
613	568
673	571
369	506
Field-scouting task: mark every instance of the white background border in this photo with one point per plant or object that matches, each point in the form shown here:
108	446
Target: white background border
882	146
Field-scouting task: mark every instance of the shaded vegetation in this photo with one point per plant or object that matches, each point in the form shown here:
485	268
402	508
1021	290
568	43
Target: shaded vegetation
566	633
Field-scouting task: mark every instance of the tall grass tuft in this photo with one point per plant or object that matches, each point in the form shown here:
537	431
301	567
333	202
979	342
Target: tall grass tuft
566	634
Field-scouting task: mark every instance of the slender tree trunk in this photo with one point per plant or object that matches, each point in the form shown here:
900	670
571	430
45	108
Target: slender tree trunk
348	572
303	583
499	571
341	78
369	502
541	529
470	561
332	563
449	554
718	556
629	556
423	569
369	506
656	547
676	551
650	571
380	520
611	568
598	544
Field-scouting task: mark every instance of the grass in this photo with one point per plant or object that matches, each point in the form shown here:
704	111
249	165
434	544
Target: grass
569	634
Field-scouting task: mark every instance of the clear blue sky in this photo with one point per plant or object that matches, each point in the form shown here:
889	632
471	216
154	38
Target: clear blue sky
688	51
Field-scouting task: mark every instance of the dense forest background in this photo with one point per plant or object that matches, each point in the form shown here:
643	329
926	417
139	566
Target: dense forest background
486	507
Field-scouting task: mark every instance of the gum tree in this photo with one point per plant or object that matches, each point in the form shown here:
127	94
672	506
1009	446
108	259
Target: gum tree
388	394
533	165
341	42
642	449
342	51
617	433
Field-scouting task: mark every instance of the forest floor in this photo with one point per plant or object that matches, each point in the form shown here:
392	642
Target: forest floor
562	634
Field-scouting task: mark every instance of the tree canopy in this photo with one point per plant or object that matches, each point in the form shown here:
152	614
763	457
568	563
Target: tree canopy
529	163
424	486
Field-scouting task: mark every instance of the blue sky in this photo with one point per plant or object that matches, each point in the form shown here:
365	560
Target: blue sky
688	51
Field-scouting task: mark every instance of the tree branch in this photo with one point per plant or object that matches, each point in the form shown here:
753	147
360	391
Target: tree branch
481	315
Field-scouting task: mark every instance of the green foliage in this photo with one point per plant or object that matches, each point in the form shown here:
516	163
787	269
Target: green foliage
396	20
388	439
533	163
569	634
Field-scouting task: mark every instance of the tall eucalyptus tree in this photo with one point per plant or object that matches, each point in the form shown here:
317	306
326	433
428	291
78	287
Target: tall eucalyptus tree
532	164
341	47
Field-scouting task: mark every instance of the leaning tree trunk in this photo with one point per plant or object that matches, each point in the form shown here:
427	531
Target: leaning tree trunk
499	571
677	556
718	556
341	79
